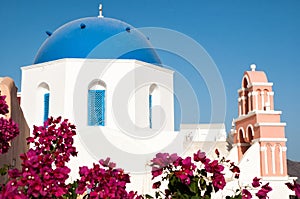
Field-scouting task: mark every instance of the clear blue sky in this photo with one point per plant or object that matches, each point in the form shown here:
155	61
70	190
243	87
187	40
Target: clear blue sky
234	33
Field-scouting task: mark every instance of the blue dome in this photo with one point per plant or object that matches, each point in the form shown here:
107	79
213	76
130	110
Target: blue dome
94	37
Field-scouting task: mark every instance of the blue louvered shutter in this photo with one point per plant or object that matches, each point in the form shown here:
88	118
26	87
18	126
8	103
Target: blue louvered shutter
46	106
96	107
150	111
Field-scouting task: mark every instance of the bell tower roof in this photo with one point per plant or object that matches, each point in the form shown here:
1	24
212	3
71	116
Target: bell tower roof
254	76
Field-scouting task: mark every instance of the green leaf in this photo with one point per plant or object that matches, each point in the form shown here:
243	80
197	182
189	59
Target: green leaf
193	187
72	191
4	170
148	196
202	184
156	194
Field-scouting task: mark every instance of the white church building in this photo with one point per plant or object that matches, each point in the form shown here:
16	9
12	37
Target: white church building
103	75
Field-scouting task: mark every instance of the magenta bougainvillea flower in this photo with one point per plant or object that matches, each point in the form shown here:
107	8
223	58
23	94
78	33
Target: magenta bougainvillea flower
104	181
294	187
256	182
246	194
44	171
185	178
3	105
8	128
263	192
198	177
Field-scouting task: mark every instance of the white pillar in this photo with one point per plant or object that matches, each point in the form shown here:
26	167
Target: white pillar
250	108
281	160
240	106
254	93
262	100
268	93
264	149
273	159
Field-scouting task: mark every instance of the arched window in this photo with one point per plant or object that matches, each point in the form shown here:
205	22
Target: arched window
259	99
245	82
96	103
250	133
153	97
278	159
241	137
44	96
46	105
270	160
266	100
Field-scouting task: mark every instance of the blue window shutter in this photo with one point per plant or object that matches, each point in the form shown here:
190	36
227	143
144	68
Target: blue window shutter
96	108
150	111
46	106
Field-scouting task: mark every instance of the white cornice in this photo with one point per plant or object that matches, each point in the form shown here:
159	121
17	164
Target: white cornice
270	124
107	61
240	90
279	178
260	84
269	140
241	144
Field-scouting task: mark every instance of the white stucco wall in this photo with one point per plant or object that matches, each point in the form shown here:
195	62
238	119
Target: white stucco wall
32	103
127	109
126	80
205	132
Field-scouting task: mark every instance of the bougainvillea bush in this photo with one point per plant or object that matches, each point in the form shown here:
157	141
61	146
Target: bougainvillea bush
105	181
294	187
45	172
8	128
197	177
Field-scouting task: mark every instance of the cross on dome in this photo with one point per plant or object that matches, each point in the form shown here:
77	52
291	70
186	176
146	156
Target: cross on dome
100	11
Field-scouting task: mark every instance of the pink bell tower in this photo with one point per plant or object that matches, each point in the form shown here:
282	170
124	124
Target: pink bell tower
259	122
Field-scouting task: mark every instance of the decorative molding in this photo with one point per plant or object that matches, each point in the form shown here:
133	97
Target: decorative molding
269	112
241	144
276	178
263	148
260	84
284	148
270	124
243	97
241	90
270	140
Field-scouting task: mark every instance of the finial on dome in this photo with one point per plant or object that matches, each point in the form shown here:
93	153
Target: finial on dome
100	11
253	67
